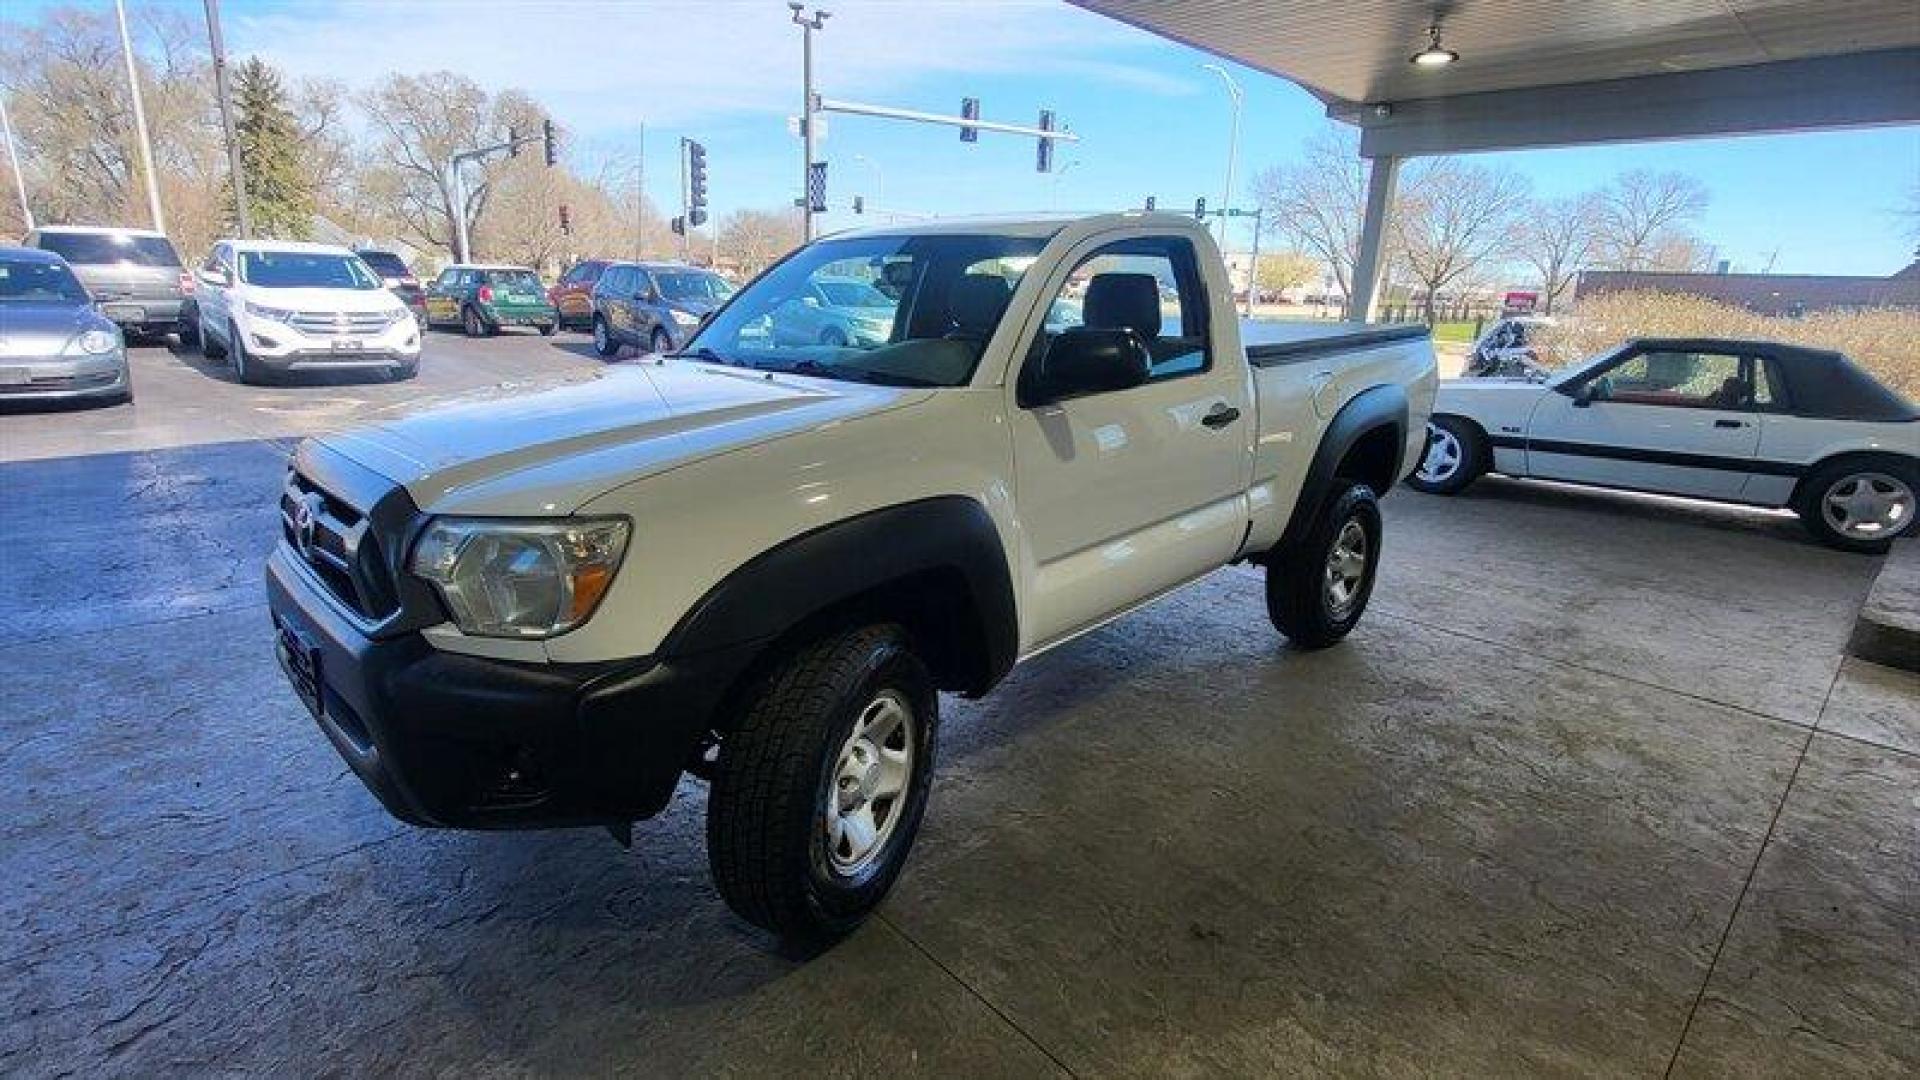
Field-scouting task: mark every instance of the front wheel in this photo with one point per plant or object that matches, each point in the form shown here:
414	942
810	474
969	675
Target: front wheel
246	370
603	340
1860	505
1317	590
1455	457
821	785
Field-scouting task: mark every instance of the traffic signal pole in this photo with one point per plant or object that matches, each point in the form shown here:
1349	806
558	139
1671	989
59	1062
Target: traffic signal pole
457	178
807	24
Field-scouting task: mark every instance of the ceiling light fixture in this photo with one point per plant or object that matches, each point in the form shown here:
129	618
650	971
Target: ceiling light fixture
1435	54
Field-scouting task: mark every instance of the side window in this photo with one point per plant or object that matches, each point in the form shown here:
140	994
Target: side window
1149	285
1688	380
1765	397
613	279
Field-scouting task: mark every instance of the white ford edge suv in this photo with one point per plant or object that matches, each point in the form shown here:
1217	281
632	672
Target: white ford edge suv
274	307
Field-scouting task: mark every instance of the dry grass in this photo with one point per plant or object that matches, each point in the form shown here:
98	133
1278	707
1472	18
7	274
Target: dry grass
1886	341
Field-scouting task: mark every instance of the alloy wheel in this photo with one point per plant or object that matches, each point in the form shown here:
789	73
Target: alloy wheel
1346	569
1443	456
868	795
1868	506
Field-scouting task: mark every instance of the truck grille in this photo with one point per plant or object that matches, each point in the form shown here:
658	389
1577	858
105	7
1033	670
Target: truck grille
339	324
337	541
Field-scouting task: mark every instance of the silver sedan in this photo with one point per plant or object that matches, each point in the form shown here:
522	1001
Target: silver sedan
54	344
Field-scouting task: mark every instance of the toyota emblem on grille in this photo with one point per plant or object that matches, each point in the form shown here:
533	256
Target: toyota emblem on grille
306	513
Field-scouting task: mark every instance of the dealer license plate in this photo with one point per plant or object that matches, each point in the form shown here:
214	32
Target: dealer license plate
346	345
301	661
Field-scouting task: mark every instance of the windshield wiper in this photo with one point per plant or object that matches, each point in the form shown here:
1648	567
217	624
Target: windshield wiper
704	353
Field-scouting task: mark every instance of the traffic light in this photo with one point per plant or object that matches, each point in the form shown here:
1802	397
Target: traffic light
513	142
566	220
1200	208
553	144
970	110
859	204
679	226
1150	202
696	184
1043	155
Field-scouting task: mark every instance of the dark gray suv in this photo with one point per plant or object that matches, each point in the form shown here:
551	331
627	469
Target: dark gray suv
653	306
134	274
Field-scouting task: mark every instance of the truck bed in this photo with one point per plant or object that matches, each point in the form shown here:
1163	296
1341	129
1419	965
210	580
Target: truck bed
1269	343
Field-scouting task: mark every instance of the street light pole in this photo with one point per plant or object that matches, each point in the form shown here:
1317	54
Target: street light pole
807	24
1233	141
13	159
241	217
140	120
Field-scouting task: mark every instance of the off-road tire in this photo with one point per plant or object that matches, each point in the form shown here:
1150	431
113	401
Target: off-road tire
766	818
1297	590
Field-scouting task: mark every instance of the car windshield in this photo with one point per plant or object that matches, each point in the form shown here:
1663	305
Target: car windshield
37	282
700	288
305	270
93	249
857	294
923	308
513	279
385	263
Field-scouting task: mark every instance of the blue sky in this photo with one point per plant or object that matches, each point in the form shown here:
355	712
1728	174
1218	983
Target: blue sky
1152	120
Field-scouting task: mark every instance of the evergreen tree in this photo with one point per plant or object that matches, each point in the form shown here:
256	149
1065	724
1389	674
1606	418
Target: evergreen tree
280	196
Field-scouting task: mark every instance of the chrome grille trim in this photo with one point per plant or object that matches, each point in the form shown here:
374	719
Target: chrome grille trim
342	551
339	324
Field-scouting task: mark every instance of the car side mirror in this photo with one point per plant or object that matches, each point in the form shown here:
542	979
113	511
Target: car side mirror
1588	393
1086	361
810	301
216	277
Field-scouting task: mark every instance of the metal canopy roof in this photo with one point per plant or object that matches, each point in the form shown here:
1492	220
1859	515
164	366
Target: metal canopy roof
1555	72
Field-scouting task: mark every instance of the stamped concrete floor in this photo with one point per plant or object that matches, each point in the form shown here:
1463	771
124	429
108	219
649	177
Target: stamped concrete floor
1591	792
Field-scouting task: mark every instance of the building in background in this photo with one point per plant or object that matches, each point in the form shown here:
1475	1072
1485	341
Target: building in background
1787	295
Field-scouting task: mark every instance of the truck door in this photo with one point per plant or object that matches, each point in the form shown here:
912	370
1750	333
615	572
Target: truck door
1127	493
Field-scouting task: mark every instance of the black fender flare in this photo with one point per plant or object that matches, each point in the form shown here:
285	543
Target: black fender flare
1370	410
792	582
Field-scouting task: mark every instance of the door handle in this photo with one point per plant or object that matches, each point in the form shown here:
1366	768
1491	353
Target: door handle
1220	415
1730	423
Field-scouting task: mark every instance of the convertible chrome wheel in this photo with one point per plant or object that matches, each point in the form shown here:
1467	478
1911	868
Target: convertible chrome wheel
870	777
1867	506
1443	456
1346	569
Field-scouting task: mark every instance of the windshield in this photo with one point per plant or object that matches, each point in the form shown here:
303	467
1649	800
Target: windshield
385	263
305	270
37	282
854	294
93	249
513	279
896	310
700	288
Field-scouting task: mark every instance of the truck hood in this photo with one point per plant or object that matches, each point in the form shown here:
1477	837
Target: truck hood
548	452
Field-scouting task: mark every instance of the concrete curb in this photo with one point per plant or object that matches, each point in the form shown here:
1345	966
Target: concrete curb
1888	629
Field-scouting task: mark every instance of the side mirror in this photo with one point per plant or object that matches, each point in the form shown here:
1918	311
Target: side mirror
221	278
810	301
1084	361
1588	393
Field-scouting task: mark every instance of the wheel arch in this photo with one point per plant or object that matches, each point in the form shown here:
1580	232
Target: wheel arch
1802	489
1365	441
936	566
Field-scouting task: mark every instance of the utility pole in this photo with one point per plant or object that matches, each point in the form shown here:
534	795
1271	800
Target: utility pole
140	120
13	159
807	24
640	198
686	219
234	165
457	176
1233	141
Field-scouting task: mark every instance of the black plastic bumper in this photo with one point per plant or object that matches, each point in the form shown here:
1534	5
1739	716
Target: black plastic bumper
445	739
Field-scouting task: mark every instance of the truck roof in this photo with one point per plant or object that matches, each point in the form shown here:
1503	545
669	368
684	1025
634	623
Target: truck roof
99	230
286	247
1035	225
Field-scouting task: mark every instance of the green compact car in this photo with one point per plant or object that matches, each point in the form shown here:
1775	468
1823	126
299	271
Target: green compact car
483	299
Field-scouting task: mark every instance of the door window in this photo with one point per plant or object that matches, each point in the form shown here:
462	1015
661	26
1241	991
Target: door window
1687	380
1150	286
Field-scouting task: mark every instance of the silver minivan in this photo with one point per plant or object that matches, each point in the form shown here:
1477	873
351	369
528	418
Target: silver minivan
134	274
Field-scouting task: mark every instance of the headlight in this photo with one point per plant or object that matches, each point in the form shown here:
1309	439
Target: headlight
682	318
96	342
520	579
398	315
272	314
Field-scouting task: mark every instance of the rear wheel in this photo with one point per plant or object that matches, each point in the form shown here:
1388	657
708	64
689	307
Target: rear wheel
821	786
1860	505
603	342
473	324
1317	591
1454	457
549	329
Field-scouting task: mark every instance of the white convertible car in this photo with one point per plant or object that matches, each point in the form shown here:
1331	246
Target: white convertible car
1748	422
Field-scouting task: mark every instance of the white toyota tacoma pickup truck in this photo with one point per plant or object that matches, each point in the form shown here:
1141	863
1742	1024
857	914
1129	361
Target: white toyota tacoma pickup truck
758	560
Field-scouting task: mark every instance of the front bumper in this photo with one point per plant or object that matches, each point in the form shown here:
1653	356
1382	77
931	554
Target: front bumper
102	377
449	740
278	347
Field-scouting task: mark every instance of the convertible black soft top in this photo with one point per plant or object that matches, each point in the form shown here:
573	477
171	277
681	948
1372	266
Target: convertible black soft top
1819	382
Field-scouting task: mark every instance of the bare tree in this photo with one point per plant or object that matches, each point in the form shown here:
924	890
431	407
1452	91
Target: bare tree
1318	203
1453	219
753	239
1638	208
1557	238
420	122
